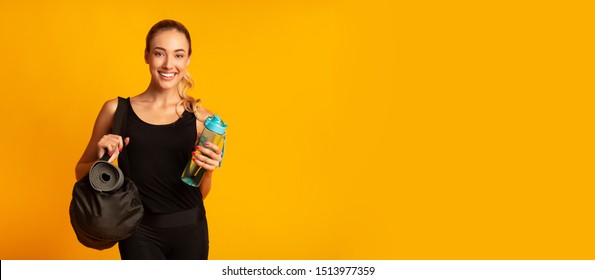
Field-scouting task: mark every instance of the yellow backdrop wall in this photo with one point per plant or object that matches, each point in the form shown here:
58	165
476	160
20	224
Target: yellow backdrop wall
357	129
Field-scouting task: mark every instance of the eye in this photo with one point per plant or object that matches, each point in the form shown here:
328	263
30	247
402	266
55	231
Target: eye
179	55
159	54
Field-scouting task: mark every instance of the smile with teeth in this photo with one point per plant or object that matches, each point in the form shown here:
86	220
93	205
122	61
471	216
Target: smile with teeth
167	75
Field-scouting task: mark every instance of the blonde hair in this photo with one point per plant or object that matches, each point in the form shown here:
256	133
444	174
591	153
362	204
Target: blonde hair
188	102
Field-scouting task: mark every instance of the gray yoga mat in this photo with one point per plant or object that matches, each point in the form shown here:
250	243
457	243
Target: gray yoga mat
105	177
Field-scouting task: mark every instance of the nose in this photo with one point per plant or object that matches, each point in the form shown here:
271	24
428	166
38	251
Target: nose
167	63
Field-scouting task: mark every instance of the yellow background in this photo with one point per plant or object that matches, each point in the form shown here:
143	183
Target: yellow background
357	129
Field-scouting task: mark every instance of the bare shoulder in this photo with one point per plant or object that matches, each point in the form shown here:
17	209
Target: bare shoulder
106	115
110	106
203	113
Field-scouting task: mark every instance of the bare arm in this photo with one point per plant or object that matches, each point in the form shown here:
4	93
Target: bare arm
205	185
208	159
100	140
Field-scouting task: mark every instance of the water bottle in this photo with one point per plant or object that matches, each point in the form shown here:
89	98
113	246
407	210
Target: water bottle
213	132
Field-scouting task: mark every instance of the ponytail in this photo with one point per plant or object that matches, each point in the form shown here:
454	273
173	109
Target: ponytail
188	102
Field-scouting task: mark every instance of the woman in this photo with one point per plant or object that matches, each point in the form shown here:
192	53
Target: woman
163	124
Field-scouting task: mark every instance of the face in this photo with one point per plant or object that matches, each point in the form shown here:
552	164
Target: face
167	58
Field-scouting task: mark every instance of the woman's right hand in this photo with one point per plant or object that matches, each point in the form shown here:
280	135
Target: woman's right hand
113	144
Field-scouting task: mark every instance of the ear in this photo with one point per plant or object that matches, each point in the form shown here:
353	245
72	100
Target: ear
146	57
188	62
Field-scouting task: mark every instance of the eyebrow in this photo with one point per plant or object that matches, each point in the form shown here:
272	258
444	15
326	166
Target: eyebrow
160	48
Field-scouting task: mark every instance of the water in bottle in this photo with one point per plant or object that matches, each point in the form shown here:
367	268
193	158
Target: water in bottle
213	132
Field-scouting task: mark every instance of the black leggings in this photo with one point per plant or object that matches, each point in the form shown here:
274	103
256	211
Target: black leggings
178	236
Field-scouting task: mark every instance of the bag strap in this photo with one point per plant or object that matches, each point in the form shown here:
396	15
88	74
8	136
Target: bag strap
120	120
119	128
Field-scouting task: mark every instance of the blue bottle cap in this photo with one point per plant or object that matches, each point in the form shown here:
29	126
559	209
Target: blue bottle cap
215	124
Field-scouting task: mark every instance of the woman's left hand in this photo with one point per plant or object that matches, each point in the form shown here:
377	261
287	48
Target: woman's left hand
209	158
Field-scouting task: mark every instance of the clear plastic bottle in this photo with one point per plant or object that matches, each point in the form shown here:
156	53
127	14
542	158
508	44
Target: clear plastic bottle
213	132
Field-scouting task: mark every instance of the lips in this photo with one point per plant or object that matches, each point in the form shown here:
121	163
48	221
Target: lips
168	75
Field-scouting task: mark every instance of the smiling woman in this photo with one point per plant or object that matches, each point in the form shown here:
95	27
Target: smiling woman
168	51
162	127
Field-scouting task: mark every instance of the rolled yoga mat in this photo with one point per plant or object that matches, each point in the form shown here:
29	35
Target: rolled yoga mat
105	177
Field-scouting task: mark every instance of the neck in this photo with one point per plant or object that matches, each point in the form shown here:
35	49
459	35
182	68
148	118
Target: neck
161	96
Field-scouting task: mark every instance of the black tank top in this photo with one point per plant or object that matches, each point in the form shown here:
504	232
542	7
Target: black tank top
157	155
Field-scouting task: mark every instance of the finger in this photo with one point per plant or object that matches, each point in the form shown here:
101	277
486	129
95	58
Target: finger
112	148
196	160
213	147
101	146
204	162
112	141
109	144
207	162
114	156
126	141
120	143
100	153
217	155
206	155
214	154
